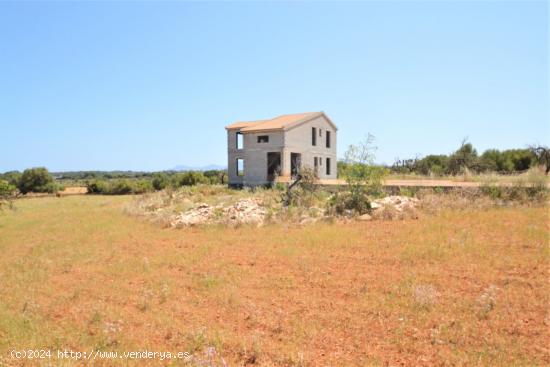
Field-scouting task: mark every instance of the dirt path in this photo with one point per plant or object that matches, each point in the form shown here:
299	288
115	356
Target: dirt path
431	183
422	183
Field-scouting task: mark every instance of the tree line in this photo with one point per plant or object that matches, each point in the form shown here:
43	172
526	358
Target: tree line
40	180
466	157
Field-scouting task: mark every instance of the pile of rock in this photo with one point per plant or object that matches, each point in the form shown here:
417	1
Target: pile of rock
199	215
399	203
252	211
246	211
392	207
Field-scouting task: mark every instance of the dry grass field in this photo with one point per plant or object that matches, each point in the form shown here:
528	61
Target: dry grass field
459	288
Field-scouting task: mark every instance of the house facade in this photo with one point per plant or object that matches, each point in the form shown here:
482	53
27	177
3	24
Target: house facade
260	151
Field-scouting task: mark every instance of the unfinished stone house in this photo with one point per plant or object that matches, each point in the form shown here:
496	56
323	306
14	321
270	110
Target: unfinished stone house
260	151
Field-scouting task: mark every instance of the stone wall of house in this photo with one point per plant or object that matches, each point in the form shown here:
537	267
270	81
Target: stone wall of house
295	140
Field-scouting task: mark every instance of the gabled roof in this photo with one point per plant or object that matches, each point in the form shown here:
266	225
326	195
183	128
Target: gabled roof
283	122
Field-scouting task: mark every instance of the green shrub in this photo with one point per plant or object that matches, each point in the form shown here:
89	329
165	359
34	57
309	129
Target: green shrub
6	194
216	177
12	177
36	180
464	158
302	194
432	164
160	181
142	186
119	187
190	178
345	203
97	186
6	189
363	178
493	190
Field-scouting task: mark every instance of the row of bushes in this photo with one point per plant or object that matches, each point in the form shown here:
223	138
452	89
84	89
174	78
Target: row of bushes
39	180
466	157
158	181
210	176
119	187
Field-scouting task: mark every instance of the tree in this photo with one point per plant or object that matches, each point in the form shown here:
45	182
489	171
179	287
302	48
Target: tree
518	159
464	157
362	178
12	177
432	164
542	156
36	180
160	181
6	194
494	161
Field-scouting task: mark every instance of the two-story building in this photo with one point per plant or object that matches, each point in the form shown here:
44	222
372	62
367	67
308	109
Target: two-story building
260	151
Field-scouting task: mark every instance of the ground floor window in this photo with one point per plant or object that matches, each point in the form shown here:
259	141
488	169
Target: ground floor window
240	167
328	166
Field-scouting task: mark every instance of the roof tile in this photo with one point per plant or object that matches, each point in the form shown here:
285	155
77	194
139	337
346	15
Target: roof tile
278	123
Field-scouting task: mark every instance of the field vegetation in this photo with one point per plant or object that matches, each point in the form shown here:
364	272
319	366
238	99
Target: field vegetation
466	163
463	285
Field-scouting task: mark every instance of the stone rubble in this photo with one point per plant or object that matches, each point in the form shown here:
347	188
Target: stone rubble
400	203
246	211
251	211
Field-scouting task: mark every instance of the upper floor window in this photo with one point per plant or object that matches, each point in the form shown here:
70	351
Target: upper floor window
328	139
240	140
263	139
313	136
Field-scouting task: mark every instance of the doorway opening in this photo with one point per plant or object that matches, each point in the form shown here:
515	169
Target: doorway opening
273	165
295	164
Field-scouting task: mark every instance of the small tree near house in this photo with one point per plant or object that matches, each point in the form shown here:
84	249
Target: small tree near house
542	156
362	176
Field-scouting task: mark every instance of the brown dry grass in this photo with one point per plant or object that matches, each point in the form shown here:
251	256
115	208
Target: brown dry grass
460	288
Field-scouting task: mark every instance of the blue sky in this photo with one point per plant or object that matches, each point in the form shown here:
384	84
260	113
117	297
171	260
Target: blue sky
148	86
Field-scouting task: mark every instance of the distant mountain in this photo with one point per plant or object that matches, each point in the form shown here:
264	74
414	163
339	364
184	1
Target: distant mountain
202	168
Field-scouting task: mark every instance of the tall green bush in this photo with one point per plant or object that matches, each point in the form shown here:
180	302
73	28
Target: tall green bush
160	181
36	180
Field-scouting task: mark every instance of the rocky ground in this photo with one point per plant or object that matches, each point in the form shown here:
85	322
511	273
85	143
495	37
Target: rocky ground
253	211
245	211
